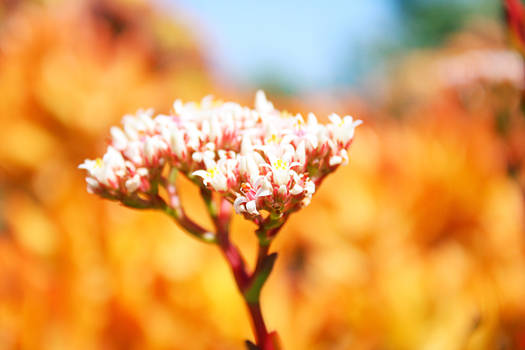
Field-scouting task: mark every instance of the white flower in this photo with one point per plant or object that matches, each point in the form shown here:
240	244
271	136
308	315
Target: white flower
194	136
113	158
309	187
154	147
139	124
281	171
248	202
343	129
144	116
176	142
133	183
105	171
300	153
335	160
120	141
246	145
95	170
208	152
296	189
241	204
248	167
178	106
262	105
213	175
134	152
143	172
94	167
313	132
92	184
215	130
281	167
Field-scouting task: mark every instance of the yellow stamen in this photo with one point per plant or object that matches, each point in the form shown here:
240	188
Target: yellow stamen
280	164
285	114
212	172
298	122
273	139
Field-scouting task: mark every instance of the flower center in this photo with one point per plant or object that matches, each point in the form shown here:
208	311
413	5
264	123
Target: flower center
298	123
246	188
273	138
285	114
280	164
212	172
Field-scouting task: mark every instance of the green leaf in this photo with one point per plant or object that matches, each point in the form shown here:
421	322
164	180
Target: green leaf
254	291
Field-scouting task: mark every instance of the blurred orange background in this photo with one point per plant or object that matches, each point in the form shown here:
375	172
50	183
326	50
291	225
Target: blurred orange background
417	244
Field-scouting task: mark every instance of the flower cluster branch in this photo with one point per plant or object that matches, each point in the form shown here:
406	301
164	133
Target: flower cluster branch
263	163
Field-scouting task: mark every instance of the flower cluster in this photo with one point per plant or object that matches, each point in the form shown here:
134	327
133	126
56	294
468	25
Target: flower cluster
259	159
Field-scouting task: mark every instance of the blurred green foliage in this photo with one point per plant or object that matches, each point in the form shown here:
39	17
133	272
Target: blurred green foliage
429	22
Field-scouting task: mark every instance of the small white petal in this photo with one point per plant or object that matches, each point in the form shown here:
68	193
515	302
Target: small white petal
306	201
312	120
219	183
301	153
92	182
178	106
205	128
263	192
262	105
296	190
132	184
120	140
335	160
335	118
309	186
237	204
197	157
209	155
246	145
202	173
142	172
87	165
251	207
209	162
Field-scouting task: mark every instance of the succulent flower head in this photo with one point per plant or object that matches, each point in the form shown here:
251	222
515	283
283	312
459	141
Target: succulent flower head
259	159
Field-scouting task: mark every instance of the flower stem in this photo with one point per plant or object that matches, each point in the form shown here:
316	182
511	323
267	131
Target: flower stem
175	210
251	295
259	327
249	285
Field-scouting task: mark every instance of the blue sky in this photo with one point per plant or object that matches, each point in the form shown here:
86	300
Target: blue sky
305	43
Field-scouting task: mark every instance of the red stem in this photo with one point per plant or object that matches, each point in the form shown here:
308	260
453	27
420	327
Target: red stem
236	262
229	250
262	338
242	278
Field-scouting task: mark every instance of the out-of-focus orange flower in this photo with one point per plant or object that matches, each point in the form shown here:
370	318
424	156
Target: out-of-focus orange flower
417	244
